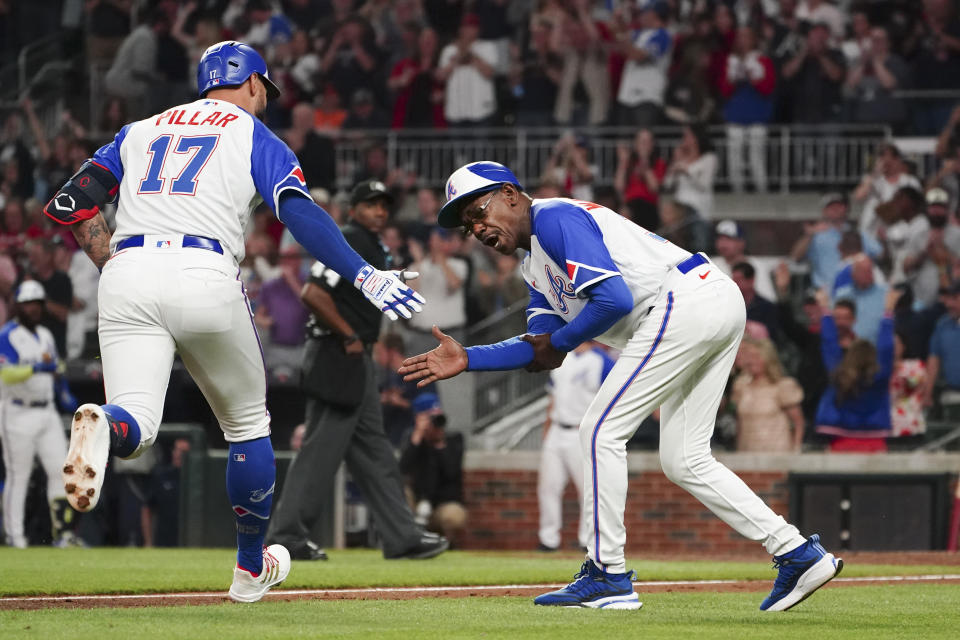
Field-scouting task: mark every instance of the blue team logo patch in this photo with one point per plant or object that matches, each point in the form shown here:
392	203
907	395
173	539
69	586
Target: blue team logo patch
451	190
560	290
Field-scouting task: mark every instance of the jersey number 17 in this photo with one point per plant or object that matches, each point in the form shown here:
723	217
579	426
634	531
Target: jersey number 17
184	184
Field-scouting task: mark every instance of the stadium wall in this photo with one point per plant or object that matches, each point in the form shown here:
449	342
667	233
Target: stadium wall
500	490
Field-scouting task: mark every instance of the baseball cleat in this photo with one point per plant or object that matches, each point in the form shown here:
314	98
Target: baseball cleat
594	588
86	462
802	571
247	587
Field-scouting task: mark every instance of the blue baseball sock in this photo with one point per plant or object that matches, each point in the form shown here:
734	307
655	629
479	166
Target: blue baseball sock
124	430
251	473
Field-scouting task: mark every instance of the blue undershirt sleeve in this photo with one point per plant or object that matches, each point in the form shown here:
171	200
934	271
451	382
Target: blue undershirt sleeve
313	228
609	300
514	353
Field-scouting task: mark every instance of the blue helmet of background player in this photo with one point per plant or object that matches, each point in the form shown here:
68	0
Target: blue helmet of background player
471	180
229	64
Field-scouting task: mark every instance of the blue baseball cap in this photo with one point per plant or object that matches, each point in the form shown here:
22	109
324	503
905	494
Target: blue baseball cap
426	402
471	180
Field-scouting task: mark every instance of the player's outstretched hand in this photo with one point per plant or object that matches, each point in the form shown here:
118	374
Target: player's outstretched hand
446	361
387	291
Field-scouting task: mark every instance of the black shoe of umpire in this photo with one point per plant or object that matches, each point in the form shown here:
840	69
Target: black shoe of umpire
429	546
310	550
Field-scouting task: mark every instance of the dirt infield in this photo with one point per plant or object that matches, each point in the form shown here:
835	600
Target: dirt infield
412	593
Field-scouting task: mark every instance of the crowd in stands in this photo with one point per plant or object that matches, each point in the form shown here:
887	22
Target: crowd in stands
348	67
436	63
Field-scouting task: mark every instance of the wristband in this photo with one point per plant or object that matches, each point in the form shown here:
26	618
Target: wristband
350	339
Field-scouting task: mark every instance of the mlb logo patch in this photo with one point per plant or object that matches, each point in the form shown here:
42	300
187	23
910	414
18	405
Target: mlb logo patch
239	457
163	244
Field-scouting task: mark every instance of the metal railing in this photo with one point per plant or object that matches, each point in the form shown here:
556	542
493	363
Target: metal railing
499	393
795	156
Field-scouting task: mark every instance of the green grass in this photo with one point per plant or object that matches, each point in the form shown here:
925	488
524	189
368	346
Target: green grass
855	613
39	571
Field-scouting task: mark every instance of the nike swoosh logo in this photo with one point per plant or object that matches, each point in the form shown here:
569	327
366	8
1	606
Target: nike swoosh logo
704	276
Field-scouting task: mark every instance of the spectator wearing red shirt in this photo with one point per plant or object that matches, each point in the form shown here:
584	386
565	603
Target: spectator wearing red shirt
724	35
747	85
640	172
419	96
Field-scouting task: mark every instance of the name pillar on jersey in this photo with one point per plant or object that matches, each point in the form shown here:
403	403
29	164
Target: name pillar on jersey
179	117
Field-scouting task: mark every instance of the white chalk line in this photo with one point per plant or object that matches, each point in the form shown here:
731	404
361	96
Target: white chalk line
429	590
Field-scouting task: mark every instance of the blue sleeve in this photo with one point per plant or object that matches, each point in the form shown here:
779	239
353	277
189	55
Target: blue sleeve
8	355
659	44
512	353
609	301
108	156
829	346
541	318
885	349
313	228
274	167
843	281
571	238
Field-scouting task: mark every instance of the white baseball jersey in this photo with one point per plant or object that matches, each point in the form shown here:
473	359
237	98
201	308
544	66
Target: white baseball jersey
676	357
197	169
576	244
574	384
28	429
19	345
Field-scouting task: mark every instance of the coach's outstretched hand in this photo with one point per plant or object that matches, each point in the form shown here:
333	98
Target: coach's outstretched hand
387	291
446	361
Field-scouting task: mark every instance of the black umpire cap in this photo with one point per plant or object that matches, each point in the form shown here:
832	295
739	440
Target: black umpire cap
370	190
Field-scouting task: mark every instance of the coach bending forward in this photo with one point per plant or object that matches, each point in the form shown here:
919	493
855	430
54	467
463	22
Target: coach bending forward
678	321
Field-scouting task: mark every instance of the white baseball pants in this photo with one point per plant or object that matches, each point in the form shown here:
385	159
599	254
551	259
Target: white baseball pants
560	460
679	360
754	137
27	432
155	302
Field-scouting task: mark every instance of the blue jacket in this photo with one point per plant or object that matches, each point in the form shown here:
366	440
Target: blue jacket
868	414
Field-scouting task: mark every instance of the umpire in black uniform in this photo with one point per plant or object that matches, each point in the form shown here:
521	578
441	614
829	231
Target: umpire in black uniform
343	413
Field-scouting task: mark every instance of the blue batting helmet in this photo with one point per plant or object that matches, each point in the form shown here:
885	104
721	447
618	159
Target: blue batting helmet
471	180
229	64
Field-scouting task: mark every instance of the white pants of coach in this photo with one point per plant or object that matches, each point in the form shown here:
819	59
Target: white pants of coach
27	432
679	360
155	302
560	460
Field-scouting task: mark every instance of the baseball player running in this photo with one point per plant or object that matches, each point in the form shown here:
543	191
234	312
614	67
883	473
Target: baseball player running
573	386
29	423
677	320
187	180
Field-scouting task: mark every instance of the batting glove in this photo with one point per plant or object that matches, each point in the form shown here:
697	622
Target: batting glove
386	291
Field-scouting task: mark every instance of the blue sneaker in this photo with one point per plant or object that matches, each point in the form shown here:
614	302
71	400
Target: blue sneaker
594	588
802	571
